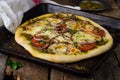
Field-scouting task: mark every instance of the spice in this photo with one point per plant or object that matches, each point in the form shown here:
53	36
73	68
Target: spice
91	5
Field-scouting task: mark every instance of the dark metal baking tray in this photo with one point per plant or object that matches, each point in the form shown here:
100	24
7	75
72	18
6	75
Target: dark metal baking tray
85	67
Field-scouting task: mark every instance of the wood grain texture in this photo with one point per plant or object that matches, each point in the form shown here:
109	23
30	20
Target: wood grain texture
29	71
58	75
3	60
116	73
117	54
105	72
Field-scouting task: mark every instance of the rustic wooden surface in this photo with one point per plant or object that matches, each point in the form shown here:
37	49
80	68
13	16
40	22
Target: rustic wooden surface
109	70
3	60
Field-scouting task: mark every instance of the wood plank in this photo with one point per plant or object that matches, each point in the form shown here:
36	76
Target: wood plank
112	59
105	71
29	71
117	54
3	60
113	5
68	76
114	11
58	75
116	72
108	70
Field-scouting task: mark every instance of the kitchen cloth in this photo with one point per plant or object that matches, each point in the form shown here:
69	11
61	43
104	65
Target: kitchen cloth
11	11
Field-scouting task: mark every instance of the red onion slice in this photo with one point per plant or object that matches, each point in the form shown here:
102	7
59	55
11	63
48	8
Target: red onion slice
67	37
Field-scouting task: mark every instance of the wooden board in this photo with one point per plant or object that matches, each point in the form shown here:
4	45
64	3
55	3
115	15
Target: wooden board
3	60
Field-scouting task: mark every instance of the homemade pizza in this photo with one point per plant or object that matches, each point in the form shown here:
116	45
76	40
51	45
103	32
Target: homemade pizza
63	37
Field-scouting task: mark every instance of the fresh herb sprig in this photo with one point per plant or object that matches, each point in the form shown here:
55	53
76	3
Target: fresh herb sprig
14	65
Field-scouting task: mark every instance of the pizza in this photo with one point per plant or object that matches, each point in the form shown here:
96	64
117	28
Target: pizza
63	37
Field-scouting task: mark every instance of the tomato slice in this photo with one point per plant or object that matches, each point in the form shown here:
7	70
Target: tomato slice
98	32
35	43
38	44
101	33
86	47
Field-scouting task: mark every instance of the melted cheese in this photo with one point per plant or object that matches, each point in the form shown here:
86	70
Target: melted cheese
72	25
50	33
83	37
62	39
58	48
54	21
88	27
72	50
33	29
42	23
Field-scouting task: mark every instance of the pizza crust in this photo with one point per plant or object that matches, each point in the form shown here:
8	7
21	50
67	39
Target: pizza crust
63	58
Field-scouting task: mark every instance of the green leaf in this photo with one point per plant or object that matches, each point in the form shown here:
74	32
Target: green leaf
75	44
14	65
9	63
72	31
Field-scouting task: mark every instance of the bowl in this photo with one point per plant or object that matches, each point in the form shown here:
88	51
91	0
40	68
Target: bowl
91	5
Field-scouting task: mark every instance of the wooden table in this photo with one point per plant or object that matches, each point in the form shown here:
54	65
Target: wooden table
109	70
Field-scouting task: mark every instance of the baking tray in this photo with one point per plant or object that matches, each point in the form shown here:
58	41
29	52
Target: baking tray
85	67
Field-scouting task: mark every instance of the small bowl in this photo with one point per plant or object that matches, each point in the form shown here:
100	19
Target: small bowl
92	5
